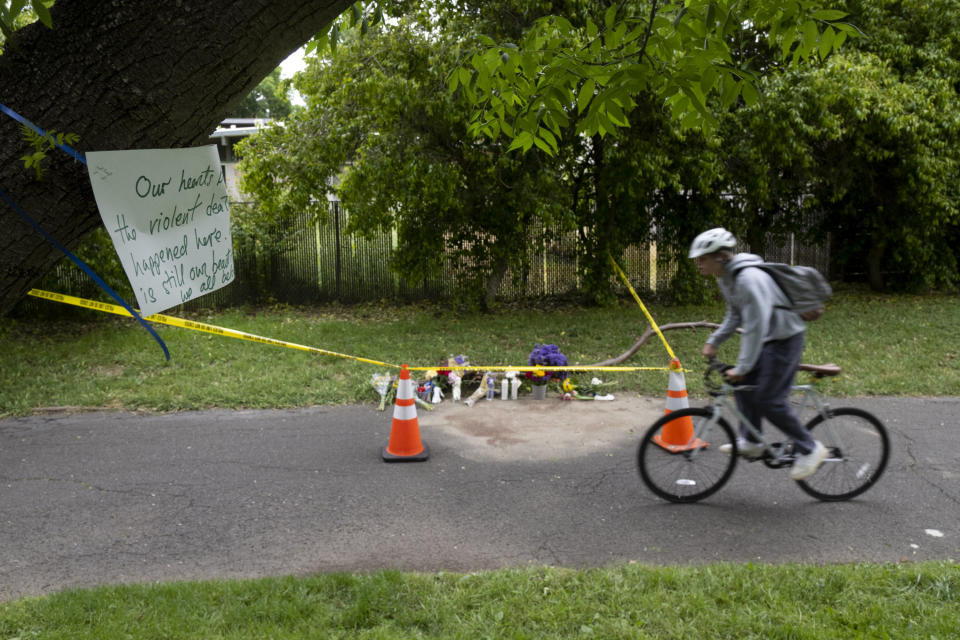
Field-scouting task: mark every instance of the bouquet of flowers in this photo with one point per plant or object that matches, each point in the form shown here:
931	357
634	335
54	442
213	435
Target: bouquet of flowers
579	391
455	378
546	355
382	383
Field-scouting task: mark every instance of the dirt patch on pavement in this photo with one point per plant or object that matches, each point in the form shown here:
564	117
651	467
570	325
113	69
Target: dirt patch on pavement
528	429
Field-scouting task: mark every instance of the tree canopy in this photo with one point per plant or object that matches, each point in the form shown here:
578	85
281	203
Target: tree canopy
590	74
646	117
270	99
382	134
867	140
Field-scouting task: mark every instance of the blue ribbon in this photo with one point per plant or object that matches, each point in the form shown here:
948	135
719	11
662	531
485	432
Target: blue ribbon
80	263
16	116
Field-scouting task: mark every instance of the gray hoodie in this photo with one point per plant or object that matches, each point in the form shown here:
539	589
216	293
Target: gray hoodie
752	304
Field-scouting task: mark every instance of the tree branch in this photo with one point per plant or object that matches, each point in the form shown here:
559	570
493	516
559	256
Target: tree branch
703	324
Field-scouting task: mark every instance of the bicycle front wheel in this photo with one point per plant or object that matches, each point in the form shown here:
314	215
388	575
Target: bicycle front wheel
679	456
858	448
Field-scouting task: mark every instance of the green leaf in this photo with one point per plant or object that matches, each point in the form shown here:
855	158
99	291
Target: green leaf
543	146
15	8
826	41
43	12
789	37
549	138
592	29
523	141
730	89
483	80
334	37
810	34
749	92
610	17
709	79
586	94
34	159
615	115
464	75
528	62
319	43
828	14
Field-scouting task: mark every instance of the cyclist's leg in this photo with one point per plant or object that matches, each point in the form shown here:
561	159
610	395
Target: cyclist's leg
748	407
775	372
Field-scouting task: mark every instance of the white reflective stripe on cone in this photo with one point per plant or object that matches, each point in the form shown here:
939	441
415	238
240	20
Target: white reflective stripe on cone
401	412
404	388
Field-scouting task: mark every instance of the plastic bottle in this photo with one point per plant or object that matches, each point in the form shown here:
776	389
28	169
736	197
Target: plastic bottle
504	389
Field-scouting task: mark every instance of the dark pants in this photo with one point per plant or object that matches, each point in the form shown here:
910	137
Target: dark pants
772	378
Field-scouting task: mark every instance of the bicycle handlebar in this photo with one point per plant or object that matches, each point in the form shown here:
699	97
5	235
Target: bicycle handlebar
715	368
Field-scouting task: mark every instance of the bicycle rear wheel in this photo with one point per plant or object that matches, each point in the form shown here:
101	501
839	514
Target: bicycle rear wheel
858	448
690	471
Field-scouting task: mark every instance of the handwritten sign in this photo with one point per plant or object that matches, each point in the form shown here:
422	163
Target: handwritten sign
166	211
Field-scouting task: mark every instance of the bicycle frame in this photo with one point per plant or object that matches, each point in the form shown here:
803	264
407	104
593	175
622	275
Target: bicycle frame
724	400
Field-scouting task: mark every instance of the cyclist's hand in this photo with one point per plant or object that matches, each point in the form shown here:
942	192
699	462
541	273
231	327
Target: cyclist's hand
732	375
709	351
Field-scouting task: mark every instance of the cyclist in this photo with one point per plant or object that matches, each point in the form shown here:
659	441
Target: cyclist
770	348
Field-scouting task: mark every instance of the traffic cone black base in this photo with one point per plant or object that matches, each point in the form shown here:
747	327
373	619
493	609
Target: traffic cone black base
417	457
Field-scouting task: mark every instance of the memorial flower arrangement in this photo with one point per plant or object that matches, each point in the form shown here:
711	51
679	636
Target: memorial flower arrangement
574	390
546	355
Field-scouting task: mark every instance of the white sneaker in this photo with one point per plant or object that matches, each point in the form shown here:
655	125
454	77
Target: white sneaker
746	448
804	466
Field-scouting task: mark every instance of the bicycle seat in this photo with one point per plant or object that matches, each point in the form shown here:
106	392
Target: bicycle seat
821	370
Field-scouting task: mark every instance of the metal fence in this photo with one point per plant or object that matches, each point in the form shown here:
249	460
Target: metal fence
316	263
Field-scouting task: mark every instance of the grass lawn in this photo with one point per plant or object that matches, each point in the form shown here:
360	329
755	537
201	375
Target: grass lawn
888	345
715	601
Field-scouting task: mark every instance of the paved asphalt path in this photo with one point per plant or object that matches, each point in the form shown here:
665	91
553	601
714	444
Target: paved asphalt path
110	497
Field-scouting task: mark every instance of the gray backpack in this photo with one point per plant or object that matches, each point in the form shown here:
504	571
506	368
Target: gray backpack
805	287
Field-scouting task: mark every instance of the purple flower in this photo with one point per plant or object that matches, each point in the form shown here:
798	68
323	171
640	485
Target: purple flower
547	355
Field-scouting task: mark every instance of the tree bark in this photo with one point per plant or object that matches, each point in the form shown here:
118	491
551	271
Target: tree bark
875	262
125	74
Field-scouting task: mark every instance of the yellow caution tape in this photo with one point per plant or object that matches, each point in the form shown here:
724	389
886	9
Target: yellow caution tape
173	321
539	368
196	326
626	281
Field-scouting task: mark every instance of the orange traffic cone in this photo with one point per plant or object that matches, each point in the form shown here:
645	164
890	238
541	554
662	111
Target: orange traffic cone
677	435
405	444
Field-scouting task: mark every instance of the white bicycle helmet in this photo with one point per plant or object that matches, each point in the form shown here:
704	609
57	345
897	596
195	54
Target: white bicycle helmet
710	241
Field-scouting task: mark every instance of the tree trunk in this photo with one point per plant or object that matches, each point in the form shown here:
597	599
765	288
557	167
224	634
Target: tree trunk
875	263
125	74
756	237
492	283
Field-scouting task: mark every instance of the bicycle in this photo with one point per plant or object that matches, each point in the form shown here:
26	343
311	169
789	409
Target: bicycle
679	457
